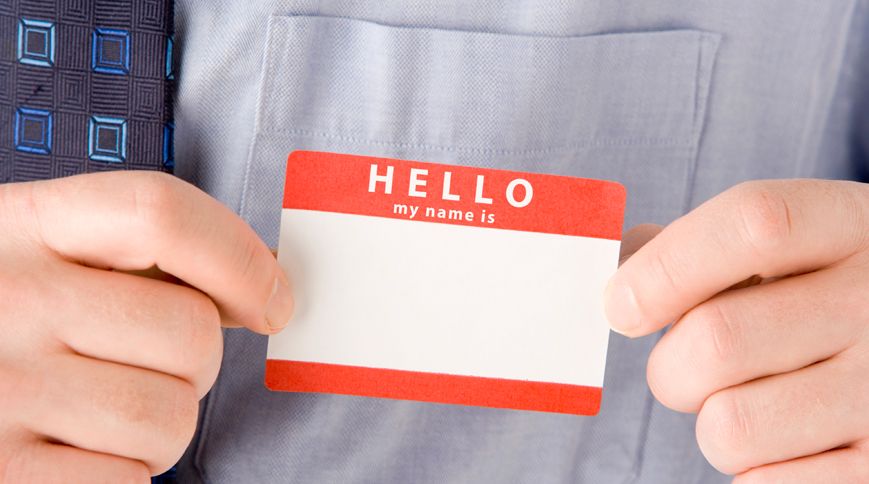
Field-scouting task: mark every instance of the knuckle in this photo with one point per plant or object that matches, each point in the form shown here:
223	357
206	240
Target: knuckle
693	357
666	266
660	377
203	325
167	408
131	404
181	423
255	266
667	371
161	405
156	199
256	271
717	337
172	422
723	432
765	214
202	340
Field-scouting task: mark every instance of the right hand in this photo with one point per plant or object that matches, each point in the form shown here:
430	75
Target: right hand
102	369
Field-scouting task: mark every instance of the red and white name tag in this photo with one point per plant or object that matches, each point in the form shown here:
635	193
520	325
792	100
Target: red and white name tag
447	284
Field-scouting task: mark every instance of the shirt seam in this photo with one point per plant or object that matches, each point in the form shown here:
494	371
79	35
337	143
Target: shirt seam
810	139
467	149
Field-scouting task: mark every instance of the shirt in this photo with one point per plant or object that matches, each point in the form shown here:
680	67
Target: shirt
676	99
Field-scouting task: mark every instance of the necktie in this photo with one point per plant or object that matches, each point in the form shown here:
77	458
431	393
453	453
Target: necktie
85	85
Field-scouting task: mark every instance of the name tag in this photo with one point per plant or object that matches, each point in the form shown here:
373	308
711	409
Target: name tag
448	284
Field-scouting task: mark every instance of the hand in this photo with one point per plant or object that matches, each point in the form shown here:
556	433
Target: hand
101	370
768	285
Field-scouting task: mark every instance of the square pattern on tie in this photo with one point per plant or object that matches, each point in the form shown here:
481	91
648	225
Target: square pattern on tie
36	42
111	51
107	139
33	131
85	86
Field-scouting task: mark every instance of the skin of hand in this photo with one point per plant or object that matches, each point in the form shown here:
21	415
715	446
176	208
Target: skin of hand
767	290
101	366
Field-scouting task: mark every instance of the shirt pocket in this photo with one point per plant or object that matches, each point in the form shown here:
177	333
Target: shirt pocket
627	107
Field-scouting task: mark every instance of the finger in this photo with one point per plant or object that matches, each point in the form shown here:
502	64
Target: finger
784	417
113	409
158	275
147	219
155	273
145	323
846	465
768	228
636	238
763	330
49	463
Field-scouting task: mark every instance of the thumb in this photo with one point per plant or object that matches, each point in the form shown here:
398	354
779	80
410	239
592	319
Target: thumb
632	241
637	237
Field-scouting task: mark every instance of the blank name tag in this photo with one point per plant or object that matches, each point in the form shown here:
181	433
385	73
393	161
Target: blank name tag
442	283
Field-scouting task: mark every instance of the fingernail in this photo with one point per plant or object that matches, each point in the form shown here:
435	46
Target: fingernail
280	306
620	306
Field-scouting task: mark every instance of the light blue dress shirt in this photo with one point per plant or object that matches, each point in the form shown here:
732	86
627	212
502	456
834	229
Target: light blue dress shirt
676	99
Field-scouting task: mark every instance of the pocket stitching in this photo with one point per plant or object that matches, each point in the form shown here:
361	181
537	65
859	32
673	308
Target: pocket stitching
466	149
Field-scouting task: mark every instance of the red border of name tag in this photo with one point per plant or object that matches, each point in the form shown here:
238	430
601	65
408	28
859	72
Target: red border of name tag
300	376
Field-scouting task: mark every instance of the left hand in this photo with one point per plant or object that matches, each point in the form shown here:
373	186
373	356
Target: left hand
777	368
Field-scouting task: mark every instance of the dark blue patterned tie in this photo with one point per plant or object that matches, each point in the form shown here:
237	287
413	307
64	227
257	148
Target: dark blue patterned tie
85	85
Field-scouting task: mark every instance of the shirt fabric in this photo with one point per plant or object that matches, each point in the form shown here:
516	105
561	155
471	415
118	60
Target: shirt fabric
676	99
